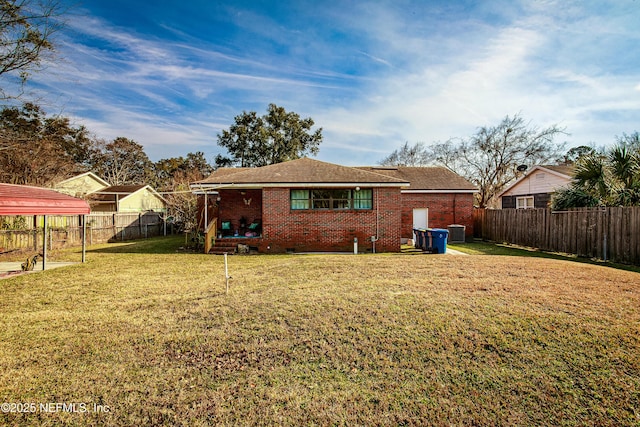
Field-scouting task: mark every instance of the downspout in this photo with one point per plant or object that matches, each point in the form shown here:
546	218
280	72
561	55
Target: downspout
455	207
375	238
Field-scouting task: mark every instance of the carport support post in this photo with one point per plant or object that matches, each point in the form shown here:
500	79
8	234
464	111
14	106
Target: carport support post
44	243
84	238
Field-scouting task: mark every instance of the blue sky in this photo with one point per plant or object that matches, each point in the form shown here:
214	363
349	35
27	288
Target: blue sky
373	74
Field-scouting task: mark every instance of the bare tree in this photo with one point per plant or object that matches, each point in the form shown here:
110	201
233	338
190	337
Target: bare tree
416	155
182	204
26	32
489	159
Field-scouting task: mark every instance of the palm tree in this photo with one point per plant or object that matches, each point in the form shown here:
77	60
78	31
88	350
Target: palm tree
613	179
625	167
592	177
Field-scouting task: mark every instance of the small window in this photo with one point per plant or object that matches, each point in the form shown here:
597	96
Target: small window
341	199
363	199
524	202
299	199
321	199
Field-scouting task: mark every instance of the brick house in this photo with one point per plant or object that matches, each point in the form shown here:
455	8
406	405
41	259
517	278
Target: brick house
308	205
435	198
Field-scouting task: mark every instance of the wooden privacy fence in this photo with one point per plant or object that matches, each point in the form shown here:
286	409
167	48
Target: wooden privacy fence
603	233
25	232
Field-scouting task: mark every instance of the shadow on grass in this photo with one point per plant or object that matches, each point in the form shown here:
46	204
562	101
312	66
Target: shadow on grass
479	247
154	245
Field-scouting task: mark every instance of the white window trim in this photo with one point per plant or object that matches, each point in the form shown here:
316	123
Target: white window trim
522	202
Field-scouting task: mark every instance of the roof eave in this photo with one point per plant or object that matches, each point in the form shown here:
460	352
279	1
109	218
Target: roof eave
250	186
440	191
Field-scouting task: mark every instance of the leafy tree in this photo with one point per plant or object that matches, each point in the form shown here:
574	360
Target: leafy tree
572	197
611	179
416	155
489	159
26	29
36	149
122	162
575	153
165	170
224	162
275	137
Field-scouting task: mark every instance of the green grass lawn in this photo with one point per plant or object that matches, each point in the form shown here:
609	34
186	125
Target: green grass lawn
148	333
479	247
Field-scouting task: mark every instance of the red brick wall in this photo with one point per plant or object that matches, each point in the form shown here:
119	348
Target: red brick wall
232	207
235	205
444	209
310	230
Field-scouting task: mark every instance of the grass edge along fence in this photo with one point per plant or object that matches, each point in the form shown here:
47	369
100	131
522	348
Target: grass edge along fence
26	232
606	233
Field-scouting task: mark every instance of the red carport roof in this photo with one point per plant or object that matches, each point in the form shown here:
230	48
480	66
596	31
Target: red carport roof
25	200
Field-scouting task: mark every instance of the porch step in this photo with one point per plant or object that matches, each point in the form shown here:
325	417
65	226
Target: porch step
224	245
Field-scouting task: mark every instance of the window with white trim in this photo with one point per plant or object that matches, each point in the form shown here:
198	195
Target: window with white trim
524	202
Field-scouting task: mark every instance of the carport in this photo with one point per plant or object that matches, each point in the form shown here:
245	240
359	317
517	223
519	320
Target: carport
26	200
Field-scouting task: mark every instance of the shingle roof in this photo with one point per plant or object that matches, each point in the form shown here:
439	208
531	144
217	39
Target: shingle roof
226	171
90	174
425	178
299	171
563	169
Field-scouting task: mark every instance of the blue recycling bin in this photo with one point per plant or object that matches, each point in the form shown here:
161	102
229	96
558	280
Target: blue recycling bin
439	236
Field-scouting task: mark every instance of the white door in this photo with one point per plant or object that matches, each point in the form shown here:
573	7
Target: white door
421	218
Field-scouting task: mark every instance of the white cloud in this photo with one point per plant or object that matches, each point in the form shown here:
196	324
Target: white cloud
428	73
515	71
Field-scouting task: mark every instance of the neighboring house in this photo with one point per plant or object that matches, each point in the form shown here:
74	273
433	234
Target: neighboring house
127	198
81	185
535	188
309	205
